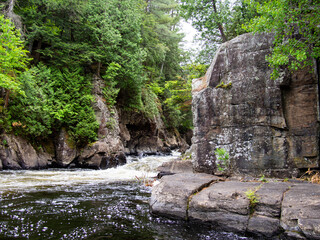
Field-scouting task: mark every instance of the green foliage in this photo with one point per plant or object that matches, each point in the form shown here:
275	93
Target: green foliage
263	179
91	35
224	86
222	159
160	39
110	91
54	98
217	21
177	105
253	199
151	104
13	57
297	33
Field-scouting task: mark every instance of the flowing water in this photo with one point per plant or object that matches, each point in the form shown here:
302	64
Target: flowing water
89	204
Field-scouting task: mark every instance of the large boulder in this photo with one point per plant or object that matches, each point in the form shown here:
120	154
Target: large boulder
268	126
17	153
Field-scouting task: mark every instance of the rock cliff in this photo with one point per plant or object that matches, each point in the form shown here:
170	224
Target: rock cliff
268	126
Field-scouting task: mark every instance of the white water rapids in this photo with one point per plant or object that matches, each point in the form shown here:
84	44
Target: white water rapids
73	204
137	169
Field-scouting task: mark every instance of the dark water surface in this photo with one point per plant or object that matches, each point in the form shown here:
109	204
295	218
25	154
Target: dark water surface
77	204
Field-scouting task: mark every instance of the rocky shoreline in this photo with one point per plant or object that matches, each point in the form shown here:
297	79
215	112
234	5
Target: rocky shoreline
266	210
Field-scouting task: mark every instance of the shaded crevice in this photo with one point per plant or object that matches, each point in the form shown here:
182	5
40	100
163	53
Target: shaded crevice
195	192
281	202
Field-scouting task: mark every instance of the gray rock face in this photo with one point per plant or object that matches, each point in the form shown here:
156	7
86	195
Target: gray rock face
142	135
66	152
170	197
17	153
286	210
268	127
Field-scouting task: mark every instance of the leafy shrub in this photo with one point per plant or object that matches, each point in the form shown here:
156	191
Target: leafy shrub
223	161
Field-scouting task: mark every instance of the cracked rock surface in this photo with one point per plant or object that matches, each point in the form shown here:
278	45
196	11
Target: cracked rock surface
283	211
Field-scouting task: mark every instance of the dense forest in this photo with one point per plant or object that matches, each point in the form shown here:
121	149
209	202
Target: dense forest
47	63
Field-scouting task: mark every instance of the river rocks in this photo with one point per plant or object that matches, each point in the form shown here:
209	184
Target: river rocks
285	210
224	204
17	153
268	126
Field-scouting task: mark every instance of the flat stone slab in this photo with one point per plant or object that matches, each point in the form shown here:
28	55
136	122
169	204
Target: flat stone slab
285	210
270	198
182	166
301	210
170	197
224	204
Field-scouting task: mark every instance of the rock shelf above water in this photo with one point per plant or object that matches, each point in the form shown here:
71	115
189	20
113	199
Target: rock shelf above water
284	210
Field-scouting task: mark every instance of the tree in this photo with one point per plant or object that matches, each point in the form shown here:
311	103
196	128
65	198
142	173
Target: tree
297	32
217	20
89	35
13	58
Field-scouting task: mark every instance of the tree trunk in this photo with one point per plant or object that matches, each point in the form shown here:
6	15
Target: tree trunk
37	54
99	69
6	99
220	27
10	4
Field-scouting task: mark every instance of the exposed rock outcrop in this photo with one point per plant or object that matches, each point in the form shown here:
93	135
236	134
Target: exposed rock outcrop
268	126
282	210
17	153
108	151
149	136
65	151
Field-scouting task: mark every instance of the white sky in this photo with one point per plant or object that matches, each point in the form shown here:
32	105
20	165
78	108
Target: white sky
190	34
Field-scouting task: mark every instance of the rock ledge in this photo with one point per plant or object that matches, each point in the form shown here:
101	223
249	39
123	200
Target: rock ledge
284	210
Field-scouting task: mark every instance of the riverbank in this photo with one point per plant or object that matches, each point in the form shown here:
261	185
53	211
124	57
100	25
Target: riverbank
268	210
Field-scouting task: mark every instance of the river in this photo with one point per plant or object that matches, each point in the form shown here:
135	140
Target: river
89	204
